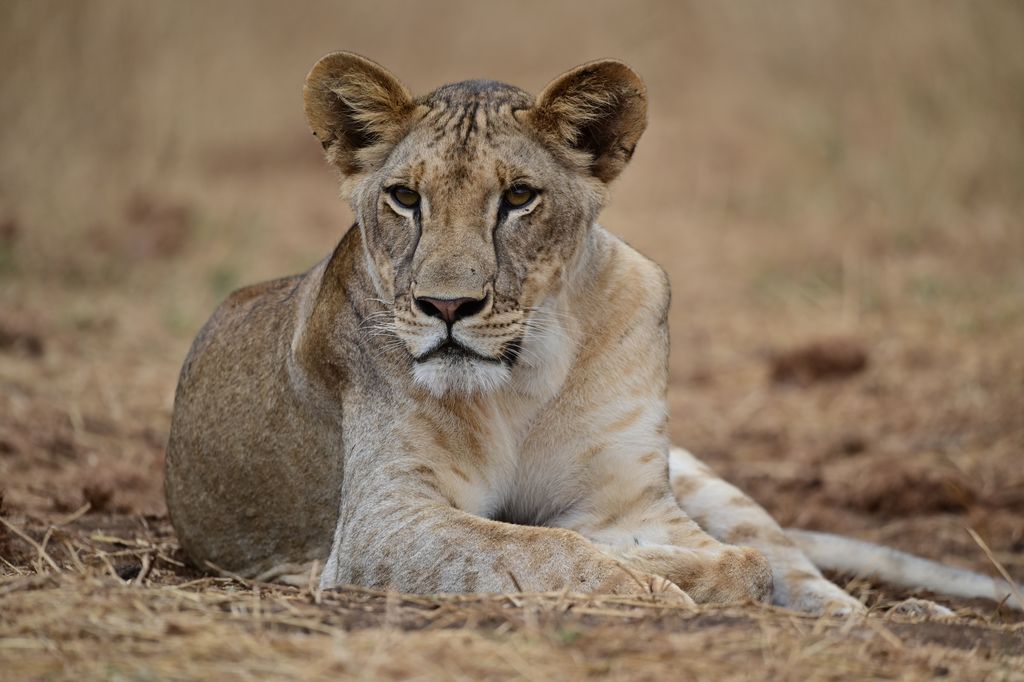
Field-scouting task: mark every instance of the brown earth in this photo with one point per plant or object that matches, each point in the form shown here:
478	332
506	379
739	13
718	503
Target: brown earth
834	189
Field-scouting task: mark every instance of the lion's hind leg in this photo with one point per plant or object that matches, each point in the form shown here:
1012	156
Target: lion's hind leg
731	517
645	530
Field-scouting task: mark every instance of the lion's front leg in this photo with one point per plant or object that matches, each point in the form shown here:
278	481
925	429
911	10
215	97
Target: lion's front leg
433	548
396	530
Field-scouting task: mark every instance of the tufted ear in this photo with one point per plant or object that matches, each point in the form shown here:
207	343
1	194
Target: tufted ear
357	110
597	110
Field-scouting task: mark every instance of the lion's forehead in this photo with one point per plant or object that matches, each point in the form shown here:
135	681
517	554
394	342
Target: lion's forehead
468	134
465	116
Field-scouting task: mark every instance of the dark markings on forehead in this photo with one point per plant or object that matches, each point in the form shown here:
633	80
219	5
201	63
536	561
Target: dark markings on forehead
469	123
460	111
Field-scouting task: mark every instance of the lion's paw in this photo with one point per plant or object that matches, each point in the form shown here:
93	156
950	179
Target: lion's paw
823	597
633	583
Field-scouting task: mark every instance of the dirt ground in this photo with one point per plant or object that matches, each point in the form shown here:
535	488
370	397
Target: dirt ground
835	189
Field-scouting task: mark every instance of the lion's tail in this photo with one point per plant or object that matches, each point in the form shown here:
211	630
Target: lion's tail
846	555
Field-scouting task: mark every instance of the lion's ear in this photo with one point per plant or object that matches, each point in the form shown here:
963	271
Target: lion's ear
357	110
598	110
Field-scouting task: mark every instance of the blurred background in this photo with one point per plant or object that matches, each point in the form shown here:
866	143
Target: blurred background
835	188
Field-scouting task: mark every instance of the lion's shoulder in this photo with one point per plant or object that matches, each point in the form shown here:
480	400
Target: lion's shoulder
635	284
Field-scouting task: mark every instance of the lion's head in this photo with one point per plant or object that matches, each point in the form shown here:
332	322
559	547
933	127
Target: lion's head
474	201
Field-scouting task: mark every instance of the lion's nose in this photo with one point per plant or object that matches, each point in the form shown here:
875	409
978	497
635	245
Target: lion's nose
451	310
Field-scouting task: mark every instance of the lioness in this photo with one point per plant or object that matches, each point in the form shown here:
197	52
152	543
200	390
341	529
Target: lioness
468	394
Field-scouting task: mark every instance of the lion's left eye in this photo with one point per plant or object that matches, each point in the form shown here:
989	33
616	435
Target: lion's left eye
518	196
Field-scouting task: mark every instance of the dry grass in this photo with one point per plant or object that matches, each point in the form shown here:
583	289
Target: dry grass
125	608
813	171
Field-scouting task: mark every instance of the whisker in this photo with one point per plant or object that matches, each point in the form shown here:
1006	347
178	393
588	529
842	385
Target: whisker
543	328
569	317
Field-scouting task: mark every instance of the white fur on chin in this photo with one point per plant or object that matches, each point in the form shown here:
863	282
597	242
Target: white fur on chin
460	375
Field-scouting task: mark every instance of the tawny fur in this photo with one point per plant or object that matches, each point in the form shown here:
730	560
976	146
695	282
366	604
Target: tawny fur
332	416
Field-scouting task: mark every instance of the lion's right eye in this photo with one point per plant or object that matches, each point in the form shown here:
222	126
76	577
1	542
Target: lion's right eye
405	197
518	196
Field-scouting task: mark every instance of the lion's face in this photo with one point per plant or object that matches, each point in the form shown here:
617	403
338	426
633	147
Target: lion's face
472	222
474	203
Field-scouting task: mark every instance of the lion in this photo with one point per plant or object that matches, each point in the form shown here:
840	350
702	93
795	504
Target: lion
469	393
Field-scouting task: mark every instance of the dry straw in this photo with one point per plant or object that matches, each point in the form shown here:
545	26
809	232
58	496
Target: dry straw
87	603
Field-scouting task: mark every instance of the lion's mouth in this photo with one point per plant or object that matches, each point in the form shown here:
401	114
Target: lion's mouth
452	350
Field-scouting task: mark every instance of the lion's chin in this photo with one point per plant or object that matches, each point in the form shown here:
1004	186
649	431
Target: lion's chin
459	374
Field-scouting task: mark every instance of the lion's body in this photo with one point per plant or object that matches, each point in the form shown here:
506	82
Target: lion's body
268	413
468	394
